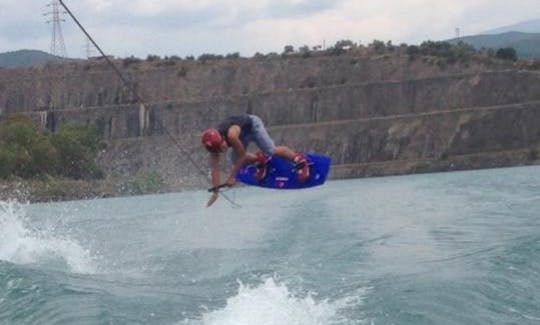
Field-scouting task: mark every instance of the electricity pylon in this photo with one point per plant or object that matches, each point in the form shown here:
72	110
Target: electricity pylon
58	47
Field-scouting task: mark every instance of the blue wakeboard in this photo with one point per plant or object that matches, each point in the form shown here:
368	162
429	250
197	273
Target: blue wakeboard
281	173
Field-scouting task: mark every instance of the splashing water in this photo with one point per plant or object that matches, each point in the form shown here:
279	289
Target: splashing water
20	244
272	304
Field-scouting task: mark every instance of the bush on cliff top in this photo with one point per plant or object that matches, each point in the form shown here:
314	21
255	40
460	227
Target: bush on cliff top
28	152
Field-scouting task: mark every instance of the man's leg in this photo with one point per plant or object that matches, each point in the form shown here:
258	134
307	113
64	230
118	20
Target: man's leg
266	144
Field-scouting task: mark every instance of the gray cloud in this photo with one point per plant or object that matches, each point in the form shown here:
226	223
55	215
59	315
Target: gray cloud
287	9
182	27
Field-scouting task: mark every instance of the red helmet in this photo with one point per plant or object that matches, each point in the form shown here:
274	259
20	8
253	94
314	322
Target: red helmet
211	139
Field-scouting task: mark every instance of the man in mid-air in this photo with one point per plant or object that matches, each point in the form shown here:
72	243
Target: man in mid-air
237	132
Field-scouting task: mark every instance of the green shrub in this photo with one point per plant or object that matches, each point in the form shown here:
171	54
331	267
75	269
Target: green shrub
209	57
413	51
452	54
77	148
25	150
7	163
305	51
234	55
130	60
288	49
508	53
378	46
152	58
28	152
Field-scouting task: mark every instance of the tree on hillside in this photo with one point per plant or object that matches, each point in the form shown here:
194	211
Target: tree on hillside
305	51
235	55
209	57
288	49
378	46
344	44
507	53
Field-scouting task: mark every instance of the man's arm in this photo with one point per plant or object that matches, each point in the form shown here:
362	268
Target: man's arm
215	175
238	147
214	169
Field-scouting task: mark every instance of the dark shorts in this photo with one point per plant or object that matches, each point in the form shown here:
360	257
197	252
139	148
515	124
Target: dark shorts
259	135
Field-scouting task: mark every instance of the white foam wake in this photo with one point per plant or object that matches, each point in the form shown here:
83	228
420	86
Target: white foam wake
273	304
21	244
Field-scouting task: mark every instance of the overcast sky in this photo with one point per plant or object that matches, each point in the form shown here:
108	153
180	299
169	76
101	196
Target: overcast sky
192	27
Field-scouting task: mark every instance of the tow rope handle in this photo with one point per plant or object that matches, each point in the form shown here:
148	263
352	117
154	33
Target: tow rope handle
218	187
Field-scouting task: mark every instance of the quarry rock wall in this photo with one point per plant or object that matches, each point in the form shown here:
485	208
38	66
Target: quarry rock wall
372	115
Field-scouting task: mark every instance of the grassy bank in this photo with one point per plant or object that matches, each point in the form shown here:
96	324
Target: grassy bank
38	165
63	189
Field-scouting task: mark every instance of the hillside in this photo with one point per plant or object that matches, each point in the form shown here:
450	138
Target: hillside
25	58
527	45
530	26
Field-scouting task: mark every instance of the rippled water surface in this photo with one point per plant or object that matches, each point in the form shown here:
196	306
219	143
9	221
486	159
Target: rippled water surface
451	248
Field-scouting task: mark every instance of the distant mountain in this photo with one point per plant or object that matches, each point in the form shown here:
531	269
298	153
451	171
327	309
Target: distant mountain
524	37
25	58
530	26
527	45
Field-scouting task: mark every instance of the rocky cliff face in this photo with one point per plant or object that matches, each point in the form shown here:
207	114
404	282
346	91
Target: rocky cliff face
375	115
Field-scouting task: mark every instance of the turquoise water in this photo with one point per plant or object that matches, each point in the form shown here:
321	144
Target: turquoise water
449	248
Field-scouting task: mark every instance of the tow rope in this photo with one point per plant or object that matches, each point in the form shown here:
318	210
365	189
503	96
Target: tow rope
139	100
